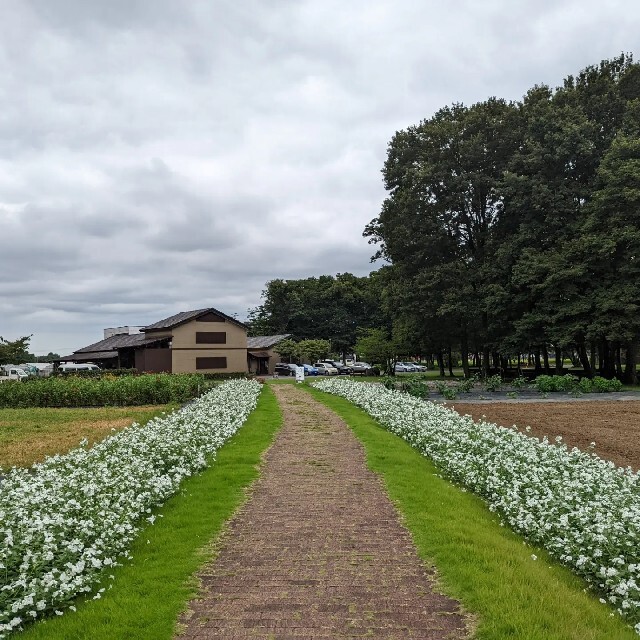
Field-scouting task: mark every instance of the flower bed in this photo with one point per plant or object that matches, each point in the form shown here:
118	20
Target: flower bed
583	510
72	517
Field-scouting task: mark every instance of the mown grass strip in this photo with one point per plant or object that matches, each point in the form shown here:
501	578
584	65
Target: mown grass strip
30	435
483	565
150	591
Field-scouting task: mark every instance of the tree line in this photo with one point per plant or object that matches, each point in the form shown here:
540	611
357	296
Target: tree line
514	227
509	228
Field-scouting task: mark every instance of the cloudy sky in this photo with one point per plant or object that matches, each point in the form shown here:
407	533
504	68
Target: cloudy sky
164	155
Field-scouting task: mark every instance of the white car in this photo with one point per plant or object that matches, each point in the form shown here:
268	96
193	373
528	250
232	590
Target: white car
325	369
401	367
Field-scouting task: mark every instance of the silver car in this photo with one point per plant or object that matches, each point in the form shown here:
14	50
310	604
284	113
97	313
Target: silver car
325	369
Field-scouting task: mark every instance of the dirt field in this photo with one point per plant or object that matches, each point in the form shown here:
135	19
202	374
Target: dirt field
613	426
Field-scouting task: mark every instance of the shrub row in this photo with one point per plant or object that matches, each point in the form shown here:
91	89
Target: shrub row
77	391
546	384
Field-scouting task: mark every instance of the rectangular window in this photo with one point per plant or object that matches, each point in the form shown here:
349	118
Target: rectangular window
211	363
211	337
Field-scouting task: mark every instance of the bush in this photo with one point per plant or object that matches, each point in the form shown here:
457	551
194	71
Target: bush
96	374
235	375
493	383
584	386
447	392
519	383
416	388
389	382
545	384
602	385
81	391
466	385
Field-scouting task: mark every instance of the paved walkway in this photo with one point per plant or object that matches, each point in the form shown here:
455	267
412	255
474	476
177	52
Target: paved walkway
318	551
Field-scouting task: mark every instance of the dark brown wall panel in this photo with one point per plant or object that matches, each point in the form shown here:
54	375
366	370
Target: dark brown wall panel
211	337
211	363
157	360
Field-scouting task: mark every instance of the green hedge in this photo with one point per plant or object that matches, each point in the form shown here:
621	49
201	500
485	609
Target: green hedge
78	391
96	374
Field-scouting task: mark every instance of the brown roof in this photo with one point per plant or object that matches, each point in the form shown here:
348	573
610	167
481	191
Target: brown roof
90	355
120	341
259	354
186	316
265	342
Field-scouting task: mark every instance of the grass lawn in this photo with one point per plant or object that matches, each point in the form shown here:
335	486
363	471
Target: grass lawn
485	566
30	435
150	591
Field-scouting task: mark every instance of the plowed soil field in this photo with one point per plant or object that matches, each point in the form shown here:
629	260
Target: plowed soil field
613	426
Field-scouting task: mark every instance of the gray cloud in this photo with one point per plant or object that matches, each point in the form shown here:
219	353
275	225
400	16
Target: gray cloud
160	156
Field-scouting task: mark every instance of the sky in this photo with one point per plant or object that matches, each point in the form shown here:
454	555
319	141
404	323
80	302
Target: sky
159	156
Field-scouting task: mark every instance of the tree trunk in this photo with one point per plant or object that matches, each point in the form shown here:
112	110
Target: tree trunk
630	375
609	368
441	363
464	348
545	355
536	359
485	362
618	359
593	355
519	365
601	358
584	360
450	361
559	361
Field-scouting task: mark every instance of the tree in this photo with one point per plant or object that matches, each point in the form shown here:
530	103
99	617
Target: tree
435	226
313	350
378	347
286	349
612	246
14	352
327	307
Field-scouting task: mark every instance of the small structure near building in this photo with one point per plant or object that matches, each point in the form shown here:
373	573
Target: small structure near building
261	356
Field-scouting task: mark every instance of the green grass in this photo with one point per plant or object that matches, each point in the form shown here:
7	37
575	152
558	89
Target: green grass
150	591
483	565
29	435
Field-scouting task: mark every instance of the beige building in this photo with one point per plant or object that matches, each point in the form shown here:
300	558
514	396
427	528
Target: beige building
203	341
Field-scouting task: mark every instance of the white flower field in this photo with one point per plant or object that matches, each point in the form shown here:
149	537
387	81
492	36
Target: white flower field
585	511
65	522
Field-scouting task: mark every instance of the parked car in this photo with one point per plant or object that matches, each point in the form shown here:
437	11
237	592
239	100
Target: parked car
362	368
401	367
10	372
73	367
310	370
285	369
410	367
325	369
343	369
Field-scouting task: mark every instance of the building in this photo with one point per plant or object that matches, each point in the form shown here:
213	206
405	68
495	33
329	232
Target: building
261	357
204	340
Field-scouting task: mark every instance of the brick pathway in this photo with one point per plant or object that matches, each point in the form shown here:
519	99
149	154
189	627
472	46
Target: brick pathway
318	550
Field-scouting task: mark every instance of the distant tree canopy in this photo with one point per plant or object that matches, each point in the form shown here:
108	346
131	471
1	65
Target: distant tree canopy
14	352
515	227
326	308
